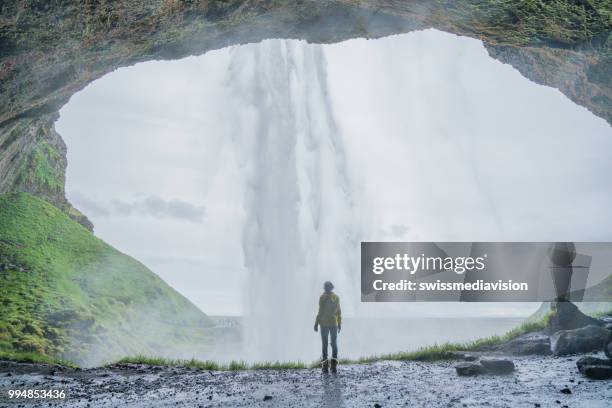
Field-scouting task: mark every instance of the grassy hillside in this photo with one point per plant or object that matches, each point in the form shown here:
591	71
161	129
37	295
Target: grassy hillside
67	294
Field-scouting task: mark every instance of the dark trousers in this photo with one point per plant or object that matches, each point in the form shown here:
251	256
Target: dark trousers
326	331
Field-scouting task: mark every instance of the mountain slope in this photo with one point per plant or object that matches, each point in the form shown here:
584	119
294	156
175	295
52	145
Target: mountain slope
66	293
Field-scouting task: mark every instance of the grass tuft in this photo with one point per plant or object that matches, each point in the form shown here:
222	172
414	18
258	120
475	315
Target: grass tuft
212	365
31	357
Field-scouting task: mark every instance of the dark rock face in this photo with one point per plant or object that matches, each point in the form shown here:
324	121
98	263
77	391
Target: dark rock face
608	349
568	317
33	160
35	144
583	340
543	66
50	50
528	344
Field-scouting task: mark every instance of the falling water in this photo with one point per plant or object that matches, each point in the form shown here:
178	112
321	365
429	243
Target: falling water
300	228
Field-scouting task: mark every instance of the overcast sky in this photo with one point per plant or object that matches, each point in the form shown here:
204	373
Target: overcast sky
442	143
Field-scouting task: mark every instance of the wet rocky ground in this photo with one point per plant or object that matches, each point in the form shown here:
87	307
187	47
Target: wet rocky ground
538	381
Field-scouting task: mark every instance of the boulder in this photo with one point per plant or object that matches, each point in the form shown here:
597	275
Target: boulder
497	366
608	350
598	372
567	316
469	369
592	361
589	338
607	320
528	344
488	366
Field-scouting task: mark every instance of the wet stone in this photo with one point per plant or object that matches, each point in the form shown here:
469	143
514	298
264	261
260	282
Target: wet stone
592	361
469	369
498	366
528	345
598	372
586	339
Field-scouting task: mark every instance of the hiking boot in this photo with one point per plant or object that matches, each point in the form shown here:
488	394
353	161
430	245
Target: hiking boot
334	365
325	366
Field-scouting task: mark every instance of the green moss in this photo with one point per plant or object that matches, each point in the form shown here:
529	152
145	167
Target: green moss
41	169
542	22
65	293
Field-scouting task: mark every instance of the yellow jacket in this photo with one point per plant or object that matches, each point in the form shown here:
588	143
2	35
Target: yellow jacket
329	310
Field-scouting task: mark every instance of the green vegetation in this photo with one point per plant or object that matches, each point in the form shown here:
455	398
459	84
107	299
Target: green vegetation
436	352
34	358
213	365
41	169
66	294
542	22
447	351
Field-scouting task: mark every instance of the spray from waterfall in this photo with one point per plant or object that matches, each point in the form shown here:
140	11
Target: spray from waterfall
300	229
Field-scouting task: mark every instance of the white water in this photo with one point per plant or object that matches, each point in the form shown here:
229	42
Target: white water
300	228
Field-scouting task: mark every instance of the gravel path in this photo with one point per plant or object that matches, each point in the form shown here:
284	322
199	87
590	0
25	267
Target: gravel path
537	380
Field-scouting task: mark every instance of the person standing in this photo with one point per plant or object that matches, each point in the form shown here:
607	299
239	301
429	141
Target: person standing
329	318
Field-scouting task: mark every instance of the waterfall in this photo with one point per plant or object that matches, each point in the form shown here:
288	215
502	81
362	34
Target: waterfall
300	229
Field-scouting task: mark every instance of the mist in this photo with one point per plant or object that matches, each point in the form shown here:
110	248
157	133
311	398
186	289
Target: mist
300	227
248	176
